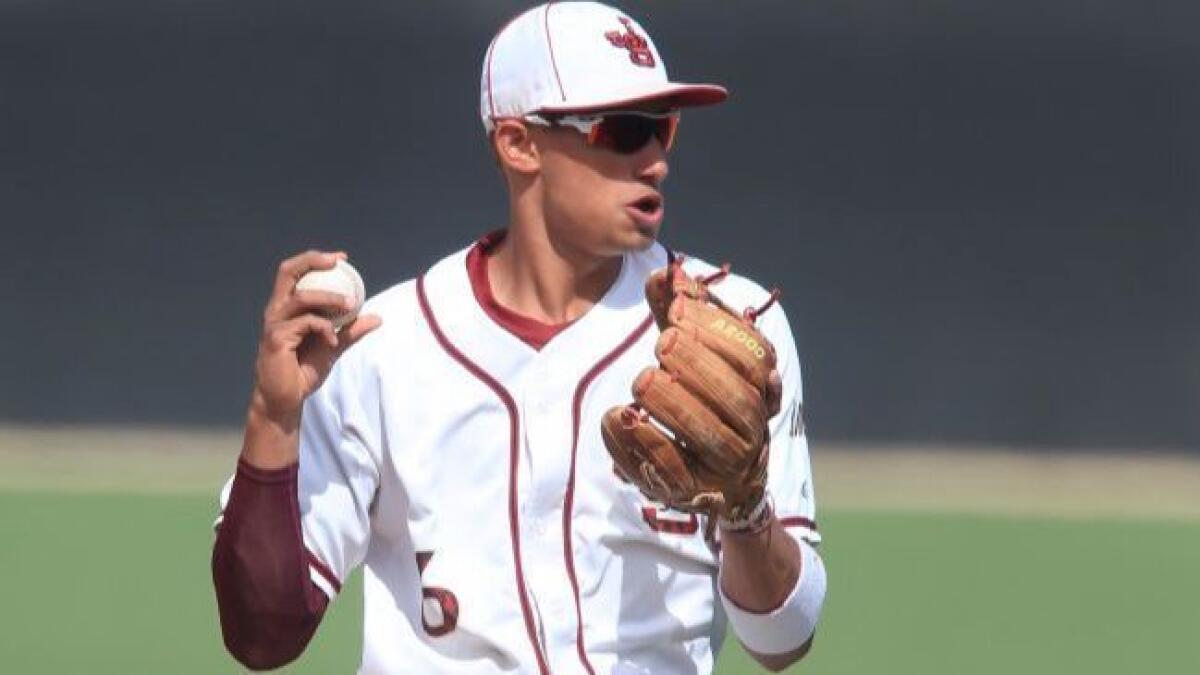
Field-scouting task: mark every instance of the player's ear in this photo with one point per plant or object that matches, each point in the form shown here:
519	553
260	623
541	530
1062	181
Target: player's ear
514	147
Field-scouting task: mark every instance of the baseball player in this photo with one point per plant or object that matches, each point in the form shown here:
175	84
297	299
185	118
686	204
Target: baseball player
562	449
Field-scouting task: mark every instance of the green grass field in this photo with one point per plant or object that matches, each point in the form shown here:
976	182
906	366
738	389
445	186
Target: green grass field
119	584
940	562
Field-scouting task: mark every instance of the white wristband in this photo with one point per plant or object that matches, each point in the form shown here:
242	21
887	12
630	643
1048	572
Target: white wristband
788	627
757	519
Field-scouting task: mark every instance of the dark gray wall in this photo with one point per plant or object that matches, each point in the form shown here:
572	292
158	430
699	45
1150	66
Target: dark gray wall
984	214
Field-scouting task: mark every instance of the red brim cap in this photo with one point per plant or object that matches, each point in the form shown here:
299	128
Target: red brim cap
673	96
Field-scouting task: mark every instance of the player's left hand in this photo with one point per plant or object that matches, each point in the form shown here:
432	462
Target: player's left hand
715	389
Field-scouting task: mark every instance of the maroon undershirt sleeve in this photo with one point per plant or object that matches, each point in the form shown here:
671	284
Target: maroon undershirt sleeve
268	604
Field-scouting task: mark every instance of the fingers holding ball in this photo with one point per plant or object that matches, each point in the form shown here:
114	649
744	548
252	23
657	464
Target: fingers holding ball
323	286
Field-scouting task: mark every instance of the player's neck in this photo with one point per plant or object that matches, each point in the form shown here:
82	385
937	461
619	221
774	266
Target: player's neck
544	279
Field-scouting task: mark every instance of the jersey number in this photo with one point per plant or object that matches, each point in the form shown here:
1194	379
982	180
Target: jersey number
439	606
659	521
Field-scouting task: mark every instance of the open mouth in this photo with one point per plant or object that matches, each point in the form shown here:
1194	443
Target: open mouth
648	205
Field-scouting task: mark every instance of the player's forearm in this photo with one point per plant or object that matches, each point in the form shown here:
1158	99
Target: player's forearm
268	604
773	589
759	570
270	443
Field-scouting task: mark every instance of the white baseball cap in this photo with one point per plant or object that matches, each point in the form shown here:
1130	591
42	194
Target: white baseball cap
564	57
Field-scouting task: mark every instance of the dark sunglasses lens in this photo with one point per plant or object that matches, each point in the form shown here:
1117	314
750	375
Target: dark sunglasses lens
627	134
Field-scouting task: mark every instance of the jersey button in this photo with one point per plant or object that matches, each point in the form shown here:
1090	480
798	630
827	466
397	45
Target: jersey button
537	526
557	610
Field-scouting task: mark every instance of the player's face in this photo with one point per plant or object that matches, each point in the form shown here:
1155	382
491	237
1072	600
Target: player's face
603	200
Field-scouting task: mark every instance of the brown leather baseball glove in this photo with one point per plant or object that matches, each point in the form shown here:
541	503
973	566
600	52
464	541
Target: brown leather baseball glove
696	436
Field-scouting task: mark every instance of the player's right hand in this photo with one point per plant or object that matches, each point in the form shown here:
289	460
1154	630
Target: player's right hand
299	345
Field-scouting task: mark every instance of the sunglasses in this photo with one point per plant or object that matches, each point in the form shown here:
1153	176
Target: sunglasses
624	132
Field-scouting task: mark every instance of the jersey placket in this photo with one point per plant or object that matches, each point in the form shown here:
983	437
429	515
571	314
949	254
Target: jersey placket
545	404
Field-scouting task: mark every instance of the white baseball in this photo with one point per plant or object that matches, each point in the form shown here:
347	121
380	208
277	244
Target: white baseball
343	279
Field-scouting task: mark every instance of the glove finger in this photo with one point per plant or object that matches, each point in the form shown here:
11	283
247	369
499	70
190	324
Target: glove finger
666	284
734	339
659	295
647	457
707	376
706	438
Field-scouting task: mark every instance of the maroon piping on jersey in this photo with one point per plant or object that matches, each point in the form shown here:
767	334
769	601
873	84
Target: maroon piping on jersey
569	500
786	521
514	456
323	570
799	521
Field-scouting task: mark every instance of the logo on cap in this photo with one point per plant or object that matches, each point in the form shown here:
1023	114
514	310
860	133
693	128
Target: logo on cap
639	49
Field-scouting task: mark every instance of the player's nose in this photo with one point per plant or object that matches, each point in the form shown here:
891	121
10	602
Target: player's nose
652	163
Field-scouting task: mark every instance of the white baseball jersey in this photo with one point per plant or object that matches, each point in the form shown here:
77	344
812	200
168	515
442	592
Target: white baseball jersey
465	471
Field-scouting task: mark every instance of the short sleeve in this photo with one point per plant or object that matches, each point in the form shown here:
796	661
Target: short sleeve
339	468
789	472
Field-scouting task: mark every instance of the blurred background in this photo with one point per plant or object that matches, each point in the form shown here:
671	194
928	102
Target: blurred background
985	217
